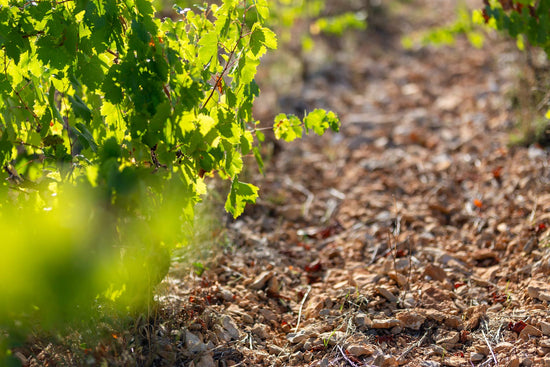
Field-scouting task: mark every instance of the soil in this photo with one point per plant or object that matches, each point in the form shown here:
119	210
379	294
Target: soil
416	236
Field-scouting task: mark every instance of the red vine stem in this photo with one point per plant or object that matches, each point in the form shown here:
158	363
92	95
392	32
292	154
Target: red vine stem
228	63
19	96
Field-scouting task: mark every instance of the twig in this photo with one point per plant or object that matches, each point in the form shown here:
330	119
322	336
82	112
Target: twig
346	357
228	63
417	344
301	307
491	349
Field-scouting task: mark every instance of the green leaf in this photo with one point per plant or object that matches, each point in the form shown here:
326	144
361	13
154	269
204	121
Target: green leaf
85	137
233	162
241	194
262	8
80	109
261	38
288	127
53	106
319	121
208	48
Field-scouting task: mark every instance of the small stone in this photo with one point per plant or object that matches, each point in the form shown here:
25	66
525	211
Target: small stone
454	322
273	286
362	320
274	349
227	295
296	358
544	343
546	361
430	364
385	323
396	330
332	337
385	360
358	350
502	227
528	331
387	294
545	328
206	360
475	315
261	331
535	289
268	315
446	337
497	307
435	272
526	362
301	336
400	279
260	281
503	347
514	362
222	334
402	264
193	343
477	357
484	254
230	326
313	307
411	319
247	318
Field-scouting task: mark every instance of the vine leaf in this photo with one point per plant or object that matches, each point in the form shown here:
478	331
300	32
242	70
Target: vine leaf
241	193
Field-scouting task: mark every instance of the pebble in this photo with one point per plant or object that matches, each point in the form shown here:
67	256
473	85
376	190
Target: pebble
385	323
268	315
526	362
362	320
261	331
503	347
230	326
358	350
435	272
193	344
446	337
400	279
545	328
411	319
477	357
227	295
387	294
385	360
300	336
273	285
260	281
206	360
538	290
274	349
430	364
332	337
528	331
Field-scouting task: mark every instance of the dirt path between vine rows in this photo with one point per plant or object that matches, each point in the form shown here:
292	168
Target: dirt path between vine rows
416	236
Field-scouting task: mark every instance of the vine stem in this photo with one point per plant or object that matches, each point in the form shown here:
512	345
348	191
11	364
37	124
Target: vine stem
228	63
19	96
